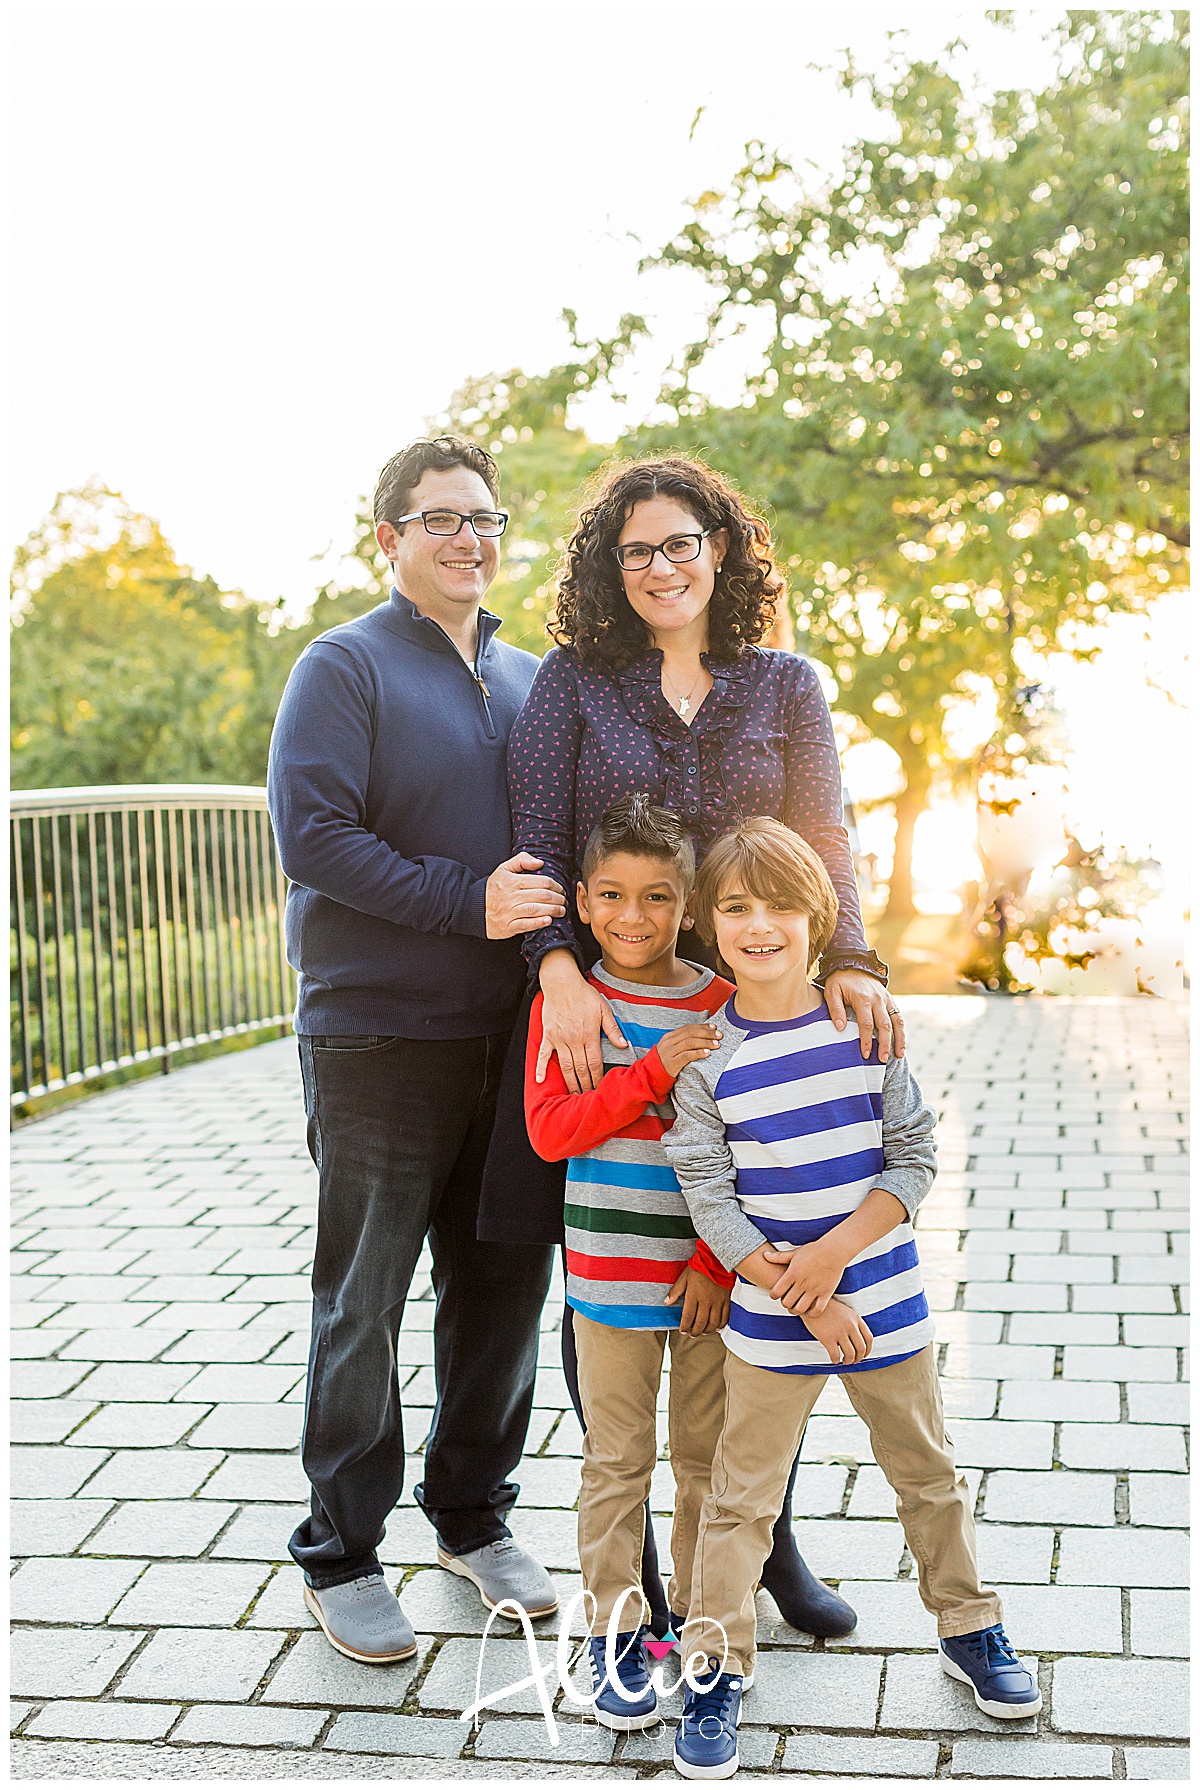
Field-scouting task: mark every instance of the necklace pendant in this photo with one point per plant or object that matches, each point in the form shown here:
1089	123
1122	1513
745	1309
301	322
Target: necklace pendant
684	707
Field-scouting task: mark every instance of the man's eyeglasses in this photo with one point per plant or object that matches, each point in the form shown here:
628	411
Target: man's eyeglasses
486	523
677	550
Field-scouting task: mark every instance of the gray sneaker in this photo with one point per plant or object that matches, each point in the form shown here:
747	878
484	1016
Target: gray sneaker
363	1620
501	1569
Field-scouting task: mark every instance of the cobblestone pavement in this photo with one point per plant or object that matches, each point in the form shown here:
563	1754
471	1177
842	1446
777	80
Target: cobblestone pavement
162	1242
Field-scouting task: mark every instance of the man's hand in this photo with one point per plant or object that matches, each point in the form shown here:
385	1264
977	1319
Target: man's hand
519	902
705	1304
843	1333
873	1008
687	1044
810	1277
573	1017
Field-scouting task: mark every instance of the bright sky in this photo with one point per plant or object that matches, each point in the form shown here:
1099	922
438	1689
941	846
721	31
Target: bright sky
259	247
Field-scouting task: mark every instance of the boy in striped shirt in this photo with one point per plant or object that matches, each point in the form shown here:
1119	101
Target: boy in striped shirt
802	1164
638	1278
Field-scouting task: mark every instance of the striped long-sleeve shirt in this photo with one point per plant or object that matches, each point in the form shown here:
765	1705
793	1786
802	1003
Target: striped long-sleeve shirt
781	1134
628	1234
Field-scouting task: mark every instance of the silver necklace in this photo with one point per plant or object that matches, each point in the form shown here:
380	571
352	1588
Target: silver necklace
684	703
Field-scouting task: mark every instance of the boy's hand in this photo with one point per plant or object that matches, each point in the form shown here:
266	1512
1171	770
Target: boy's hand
844	1334
810	1275
705	1304
687	1044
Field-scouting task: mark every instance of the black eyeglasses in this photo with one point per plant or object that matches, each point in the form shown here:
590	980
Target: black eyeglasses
486	523
676	550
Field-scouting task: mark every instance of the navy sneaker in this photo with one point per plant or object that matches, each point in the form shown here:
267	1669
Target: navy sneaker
706	1740
985	1660
635	1704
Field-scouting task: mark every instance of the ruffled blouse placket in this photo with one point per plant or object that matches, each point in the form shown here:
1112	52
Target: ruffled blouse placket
694	780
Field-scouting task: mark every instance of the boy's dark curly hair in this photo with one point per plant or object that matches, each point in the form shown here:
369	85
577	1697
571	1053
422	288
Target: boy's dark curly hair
593	617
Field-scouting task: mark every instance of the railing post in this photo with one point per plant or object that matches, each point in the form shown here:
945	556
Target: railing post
199	935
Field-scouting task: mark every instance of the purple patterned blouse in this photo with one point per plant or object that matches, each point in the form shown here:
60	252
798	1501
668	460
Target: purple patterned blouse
761	743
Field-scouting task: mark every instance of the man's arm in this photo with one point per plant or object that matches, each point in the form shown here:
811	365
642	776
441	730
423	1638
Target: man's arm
698	1152
320	765
317	782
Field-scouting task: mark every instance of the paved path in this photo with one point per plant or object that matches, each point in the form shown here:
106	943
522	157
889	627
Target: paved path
163	1235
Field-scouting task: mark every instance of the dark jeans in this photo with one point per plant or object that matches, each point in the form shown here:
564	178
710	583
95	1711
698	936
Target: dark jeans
399	1131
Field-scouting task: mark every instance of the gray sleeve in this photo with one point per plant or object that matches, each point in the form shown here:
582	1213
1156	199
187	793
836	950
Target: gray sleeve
697	1151
909	1151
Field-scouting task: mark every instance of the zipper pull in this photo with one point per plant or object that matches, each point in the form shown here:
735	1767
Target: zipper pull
481	684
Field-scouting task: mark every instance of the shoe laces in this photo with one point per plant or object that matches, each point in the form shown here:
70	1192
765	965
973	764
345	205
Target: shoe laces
715	1699
629	1660
992	1646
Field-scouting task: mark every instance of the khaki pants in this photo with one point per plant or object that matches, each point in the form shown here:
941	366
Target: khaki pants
619	1372
765	1417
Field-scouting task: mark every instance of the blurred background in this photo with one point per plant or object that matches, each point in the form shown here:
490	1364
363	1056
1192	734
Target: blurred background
920	293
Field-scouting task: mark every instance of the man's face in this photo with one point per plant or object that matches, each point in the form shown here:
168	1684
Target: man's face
446	573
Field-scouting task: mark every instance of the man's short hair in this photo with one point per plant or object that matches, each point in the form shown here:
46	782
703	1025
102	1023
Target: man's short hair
767	859
636	826
405	470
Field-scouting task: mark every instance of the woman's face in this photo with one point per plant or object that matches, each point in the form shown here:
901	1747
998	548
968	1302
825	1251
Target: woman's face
671	598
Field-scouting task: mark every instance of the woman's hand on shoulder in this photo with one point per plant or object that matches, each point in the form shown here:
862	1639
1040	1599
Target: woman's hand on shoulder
574	1015
873	1008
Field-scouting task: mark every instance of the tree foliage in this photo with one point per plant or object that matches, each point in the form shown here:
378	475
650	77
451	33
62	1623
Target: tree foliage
125	667
970	419
968	422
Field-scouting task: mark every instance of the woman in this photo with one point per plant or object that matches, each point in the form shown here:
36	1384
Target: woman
659	684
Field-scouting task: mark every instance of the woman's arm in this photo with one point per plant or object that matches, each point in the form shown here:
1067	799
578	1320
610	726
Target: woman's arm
543	758
853	975
543	761
573	1018
813	808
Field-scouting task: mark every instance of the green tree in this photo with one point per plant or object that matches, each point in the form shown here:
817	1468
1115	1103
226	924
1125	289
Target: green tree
970	418
125	667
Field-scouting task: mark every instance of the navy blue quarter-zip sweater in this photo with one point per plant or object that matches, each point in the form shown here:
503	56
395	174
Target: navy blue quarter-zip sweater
389	798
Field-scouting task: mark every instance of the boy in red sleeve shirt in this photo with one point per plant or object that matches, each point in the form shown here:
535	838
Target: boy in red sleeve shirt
637	1275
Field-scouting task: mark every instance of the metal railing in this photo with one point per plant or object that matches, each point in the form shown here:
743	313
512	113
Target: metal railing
146	919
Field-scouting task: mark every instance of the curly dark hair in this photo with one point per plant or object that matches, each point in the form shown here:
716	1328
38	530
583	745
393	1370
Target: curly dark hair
405	470
593	617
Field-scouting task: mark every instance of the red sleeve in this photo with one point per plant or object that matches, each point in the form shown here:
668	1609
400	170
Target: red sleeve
706	1262
561	1124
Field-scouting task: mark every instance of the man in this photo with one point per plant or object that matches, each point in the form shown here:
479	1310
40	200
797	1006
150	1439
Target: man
389	799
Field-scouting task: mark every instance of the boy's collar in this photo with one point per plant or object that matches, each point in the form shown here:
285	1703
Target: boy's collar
820	1011
702	980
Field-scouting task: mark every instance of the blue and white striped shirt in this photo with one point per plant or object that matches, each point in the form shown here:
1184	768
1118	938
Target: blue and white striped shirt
780	1135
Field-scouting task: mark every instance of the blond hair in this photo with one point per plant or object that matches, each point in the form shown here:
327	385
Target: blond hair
767	859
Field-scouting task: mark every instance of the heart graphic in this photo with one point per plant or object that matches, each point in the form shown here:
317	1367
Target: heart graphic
660	1649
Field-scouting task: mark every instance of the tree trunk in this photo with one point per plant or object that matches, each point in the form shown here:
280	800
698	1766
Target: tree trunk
910	805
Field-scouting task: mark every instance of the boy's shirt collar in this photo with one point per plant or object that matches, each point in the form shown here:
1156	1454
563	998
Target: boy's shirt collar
751	1026
648	990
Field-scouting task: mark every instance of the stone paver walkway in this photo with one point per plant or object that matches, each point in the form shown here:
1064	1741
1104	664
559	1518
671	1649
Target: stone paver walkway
163	1237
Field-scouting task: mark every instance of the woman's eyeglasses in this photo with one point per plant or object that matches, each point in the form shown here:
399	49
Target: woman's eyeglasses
676	550
486	523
